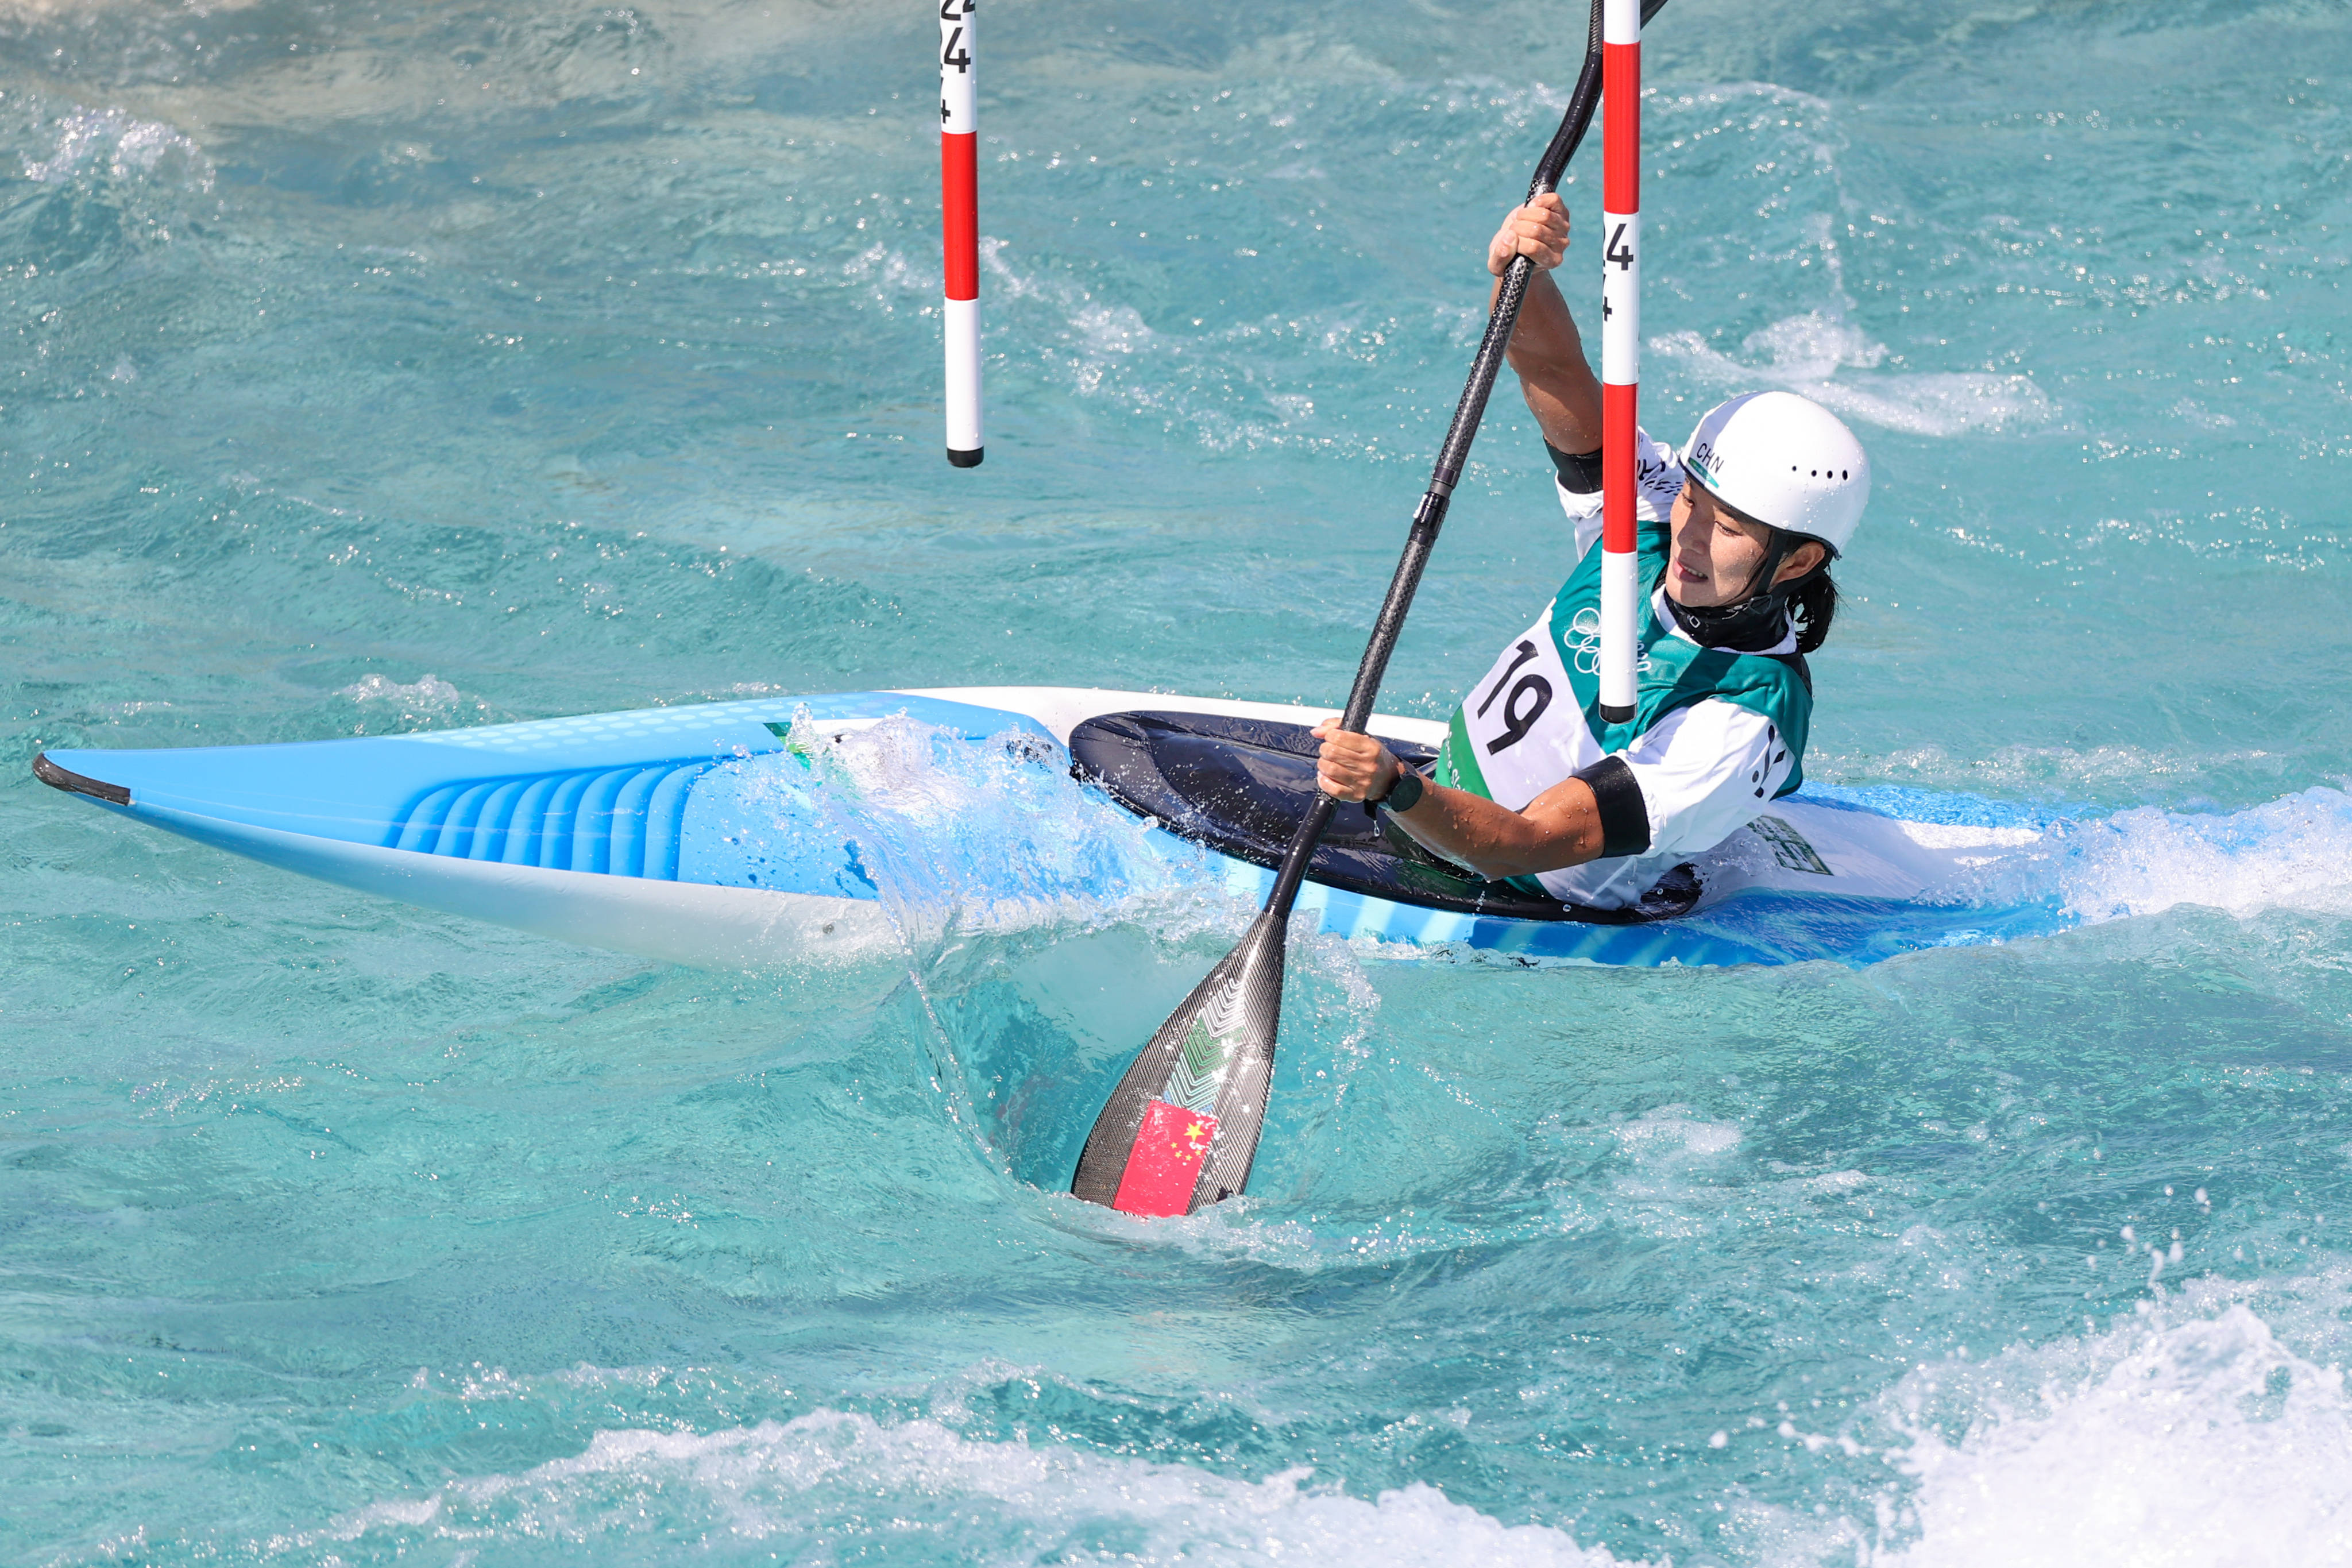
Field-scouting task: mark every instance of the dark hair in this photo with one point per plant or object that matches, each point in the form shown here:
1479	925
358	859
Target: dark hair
1813	604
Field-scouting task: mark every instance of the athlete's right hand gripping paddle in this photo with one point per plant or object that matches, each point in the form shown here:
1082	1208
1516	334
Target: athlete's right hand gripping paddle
1181	1131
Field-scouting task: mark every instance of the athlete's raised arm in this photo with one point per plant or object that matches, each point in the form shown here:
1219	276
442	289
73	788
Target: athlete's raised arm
1545	349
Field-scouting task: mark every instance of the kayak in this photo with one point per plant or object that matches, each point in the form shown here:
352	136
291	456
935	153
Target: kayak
644	832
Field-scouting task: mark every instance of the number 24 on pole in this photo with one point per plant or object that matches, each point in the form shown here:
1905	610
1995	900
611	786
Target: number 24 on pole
1616	250
952	52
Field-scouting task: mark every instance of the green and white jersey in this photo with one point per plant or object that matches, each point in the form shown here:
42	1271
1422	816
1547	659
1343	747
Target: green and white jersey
1716	735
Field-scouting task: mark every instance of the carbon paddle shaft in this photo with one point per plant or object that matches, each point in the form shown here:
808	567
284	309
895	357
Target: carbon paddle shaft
1180	1130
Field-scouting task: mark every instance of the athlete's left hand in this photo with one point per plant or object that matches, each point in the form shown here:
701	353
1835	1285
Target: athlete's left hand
1537	231
1352	766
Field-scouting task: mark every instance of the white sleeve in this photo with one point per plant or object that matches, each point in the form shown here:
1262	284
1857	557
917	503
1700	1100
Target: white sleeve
1584	511
1658	476
1706	770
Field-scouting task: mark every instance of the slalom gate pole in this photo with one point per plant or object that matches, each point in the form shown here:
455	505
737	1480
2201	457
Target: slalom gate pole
1621	346
1180	1130
959	220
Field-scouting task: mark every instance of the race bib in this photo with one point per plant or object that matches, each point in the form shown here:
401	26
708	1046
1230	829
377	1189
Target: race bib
1523	728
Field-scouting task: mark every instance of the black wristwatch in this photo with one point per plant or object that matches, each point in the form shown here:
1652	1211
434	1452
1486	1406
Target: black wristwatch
1404	792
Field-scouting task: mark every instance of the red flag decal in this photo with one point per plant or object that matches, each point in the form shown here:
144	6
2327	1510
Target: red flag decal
1165	1161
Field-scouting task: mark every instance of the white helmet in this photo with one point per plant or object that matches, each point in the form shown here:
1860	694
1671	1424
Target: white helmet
1785	460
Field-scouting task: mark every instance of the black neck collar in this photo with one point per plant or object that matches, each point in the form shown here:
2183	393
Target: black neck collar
1756	624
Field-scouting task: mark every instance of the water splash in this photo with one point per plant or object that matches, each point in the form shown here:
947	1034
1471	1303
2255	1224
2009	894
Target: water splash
957	836
815	1483
2197	1443
427	693
2286	854
91	142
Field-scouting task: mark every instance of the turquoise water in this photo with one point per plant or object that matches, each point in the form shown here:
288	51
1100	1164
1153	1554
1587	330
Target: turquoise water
392	367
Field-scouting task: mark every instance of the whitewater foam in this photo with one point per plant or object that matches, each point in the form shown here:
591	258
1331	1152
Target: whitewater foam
2195	1439
119	145
2286	854
427	693
2187	1433
1819	353
822	1479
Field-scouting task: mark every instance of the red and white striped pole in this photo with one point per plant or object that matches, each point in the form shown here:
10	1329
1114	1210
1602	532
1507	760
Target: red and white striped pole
1621	346
959	218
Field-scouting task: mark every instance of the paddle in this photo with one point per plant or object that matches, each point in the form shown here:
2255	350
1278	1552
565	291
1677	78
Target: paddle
1180	1130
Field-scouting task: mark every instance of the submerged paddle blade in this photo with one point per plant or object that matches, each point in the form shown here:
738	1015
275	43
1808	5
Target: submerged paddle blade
1181	1131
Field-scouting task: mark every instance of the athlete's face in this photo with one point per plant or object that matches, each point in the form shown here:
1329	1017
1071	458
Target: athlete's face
1717	551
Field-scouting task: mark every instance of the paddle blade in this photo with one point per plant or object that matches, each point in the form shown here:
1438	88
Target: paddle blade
1180	1130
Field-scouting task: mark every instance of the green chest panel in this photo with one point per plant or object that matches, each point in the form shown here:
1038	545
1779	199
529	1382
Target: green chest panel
1669	671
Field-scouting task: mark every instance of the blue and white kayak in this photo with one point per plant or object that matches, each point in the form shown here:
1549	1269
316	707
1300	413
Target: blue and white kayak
639	832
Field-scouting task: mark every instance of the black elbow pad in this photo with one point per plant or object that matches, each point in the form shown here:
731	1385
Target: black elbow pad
1579	472
1624	815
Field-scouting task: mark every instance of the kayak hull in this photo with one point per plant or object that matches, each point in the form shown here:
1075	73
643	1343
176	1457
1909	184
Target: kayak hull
613	831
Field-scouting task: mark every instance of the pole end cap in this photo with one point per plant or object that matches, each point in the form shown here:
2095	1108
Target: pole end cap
1609	715
966	459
